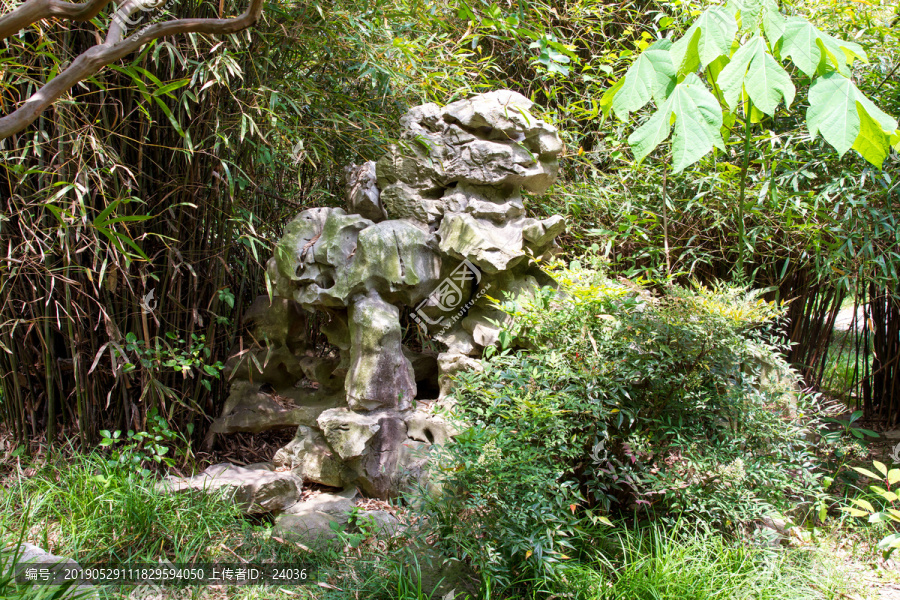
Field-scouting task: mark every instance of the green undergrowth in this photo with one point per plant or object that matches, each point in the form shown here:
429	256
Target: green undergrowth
610	416
92	511
620	403
80	508
654	563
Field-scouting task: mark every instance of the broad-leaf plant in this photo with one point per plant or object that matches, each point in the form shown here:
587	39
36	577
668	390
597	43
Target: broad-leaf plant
701	80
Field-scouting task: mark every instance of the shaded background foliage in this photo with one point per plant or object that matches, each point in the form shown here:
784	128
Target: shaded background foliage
169	173
175	169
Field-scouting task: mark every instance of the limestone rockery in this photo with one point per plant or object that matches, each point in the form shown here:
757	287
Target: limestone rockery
431	231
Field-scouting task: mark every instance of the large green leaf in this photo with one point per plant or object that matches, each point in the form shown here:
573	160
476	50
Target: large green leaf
748	11
754	69
773	24
872	143
808	48
651	76
706	40
835	106
698	122
752	13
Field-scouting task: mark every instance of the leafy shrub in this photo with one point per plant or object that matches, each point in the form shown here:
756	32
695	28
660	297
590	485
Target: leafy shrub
888	504
625	402
135	451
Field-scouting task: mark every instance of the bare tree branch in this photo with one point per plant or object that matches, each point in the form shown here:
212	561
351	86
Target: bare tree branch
32	11
114	48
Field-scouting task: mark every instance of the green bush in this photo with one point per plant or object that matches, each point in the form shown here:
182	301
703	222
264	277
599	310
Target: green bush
625	403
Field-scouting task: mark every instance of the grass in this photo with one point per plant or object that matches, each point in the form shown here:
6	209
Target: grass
93	512
693	565
85	509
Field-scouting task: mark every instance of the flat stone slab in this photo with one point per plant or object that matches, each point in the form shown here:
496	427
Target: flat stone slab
310	522
380	522
255	488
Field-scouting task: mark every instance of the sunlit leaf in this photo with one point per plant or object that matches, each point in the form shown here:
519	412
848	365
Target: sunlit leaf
754	70
864	504
708	38
808	48
651	76
834	111
697	123
866	472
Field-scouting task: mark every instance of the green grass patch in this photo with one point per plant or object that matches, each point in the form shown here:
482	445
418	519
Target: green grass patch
653	564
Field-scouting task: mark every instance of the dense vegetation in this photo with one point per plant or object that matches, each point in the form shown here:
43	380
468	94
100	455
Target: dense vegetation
730	183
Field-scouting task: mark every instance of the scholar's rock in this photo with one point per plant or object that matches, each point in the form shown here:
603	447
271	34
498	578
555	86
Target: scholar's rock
431	232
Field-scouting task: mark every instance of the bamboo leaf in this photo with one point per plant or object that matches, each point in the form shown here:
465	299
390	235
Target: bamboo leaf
175	124
171	87
107	211
126	219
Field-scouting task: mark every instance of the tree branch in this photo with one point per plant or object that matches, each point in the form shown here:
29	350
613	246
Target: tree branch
114	48
32	11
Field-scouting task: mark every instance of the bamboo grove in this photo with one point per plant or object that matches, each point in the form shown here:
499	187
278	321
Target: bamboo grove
136	216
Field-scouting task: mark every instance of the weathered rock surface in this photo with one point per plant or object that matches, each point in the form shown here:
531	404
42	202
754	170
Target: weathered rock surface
431	231
348	432
363	196
380	375
250	409
452	363
29	556
309	457
312	523
256	488
380	522
378	475
492	247
425	426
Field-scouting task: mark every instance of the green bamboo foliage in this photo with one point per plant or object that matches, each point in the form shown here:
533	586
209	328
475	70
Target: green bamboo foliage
136	215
